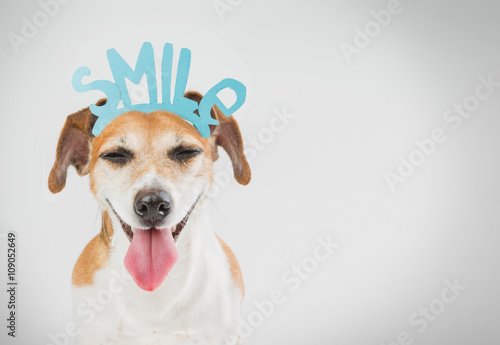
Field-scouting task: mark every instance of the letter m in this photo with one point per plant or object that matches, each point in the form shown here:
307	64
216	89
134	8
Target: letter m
145	66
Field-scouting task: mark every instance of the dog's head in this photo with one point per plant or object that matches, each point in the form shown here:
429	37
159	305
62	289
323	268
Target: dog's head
148	171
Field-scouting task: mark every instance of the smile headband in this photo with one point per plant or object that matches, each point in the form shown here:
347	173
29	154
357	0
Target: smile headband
179	105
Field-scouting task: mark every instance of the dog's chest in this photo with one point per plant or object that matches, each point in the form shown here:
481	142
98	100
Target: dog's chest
197	304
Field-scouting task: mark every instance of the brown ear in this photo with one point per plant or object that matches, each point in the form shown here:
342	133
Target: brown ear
227	135
73	147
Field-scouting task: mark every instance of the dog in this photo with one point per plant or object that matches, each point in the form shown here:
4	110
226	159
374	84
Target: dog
156	273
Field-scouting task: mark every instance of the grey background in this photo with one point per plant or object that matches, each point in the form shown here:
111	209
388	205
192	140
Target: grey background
322	175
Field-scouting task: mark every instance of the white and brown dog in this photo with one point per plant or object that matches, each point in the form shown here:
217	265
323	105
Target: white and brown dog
151	175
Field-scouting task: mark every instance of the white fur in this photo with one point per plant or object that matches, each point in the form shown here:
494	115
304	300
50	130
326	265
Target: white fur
198	303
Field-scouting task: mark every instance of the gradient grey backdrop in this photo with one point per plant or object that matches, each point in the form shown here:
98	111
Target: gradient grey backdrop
322	175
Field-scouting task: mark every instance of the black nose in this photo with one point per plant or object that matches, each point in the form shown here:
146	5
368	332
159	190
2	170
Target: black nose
152	206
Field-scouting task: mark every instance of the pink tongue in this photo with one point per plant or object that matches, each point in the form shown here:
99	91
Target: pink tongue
150	257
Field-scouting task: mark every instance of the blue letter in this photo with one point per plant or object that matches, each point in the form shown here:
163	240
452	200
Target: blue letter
145	65
112	94
211	99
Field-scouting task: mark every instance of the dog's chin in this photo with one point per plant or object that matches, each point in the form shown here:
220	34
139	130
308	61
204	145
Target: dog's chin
176	229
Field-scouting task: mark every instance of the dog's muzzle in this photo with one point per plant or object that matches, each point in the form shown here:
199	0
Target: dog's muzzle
157	210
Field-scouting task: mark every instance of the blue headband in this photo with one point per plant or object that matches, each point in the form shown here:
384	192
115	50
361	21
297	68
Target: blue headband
179	105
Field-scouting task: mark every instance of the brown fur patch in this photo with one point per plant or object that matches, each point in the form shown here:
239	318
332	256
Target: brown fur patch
227	135
94	256
73	147
235	266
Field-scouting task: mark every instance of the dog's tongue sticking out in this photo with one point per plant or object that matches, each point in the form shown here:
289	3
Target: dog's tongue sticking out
150	257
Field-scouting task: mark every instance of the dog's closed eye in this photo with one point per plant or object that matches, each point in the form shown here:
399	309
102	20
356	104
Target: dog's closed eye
181	153
119	156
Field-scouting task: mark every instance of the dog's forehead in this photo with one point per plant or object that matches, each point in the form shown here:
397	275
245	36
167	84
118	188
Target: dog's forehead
137	130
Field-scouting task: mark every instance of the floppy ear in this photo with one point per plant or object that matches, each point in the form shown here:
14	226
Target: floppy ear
73	147
227	135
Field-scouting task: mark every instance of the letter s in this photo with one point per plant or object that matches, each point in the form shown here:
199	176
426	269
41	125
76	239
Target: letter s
110	89
418	322
82	311
294	280
450	117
